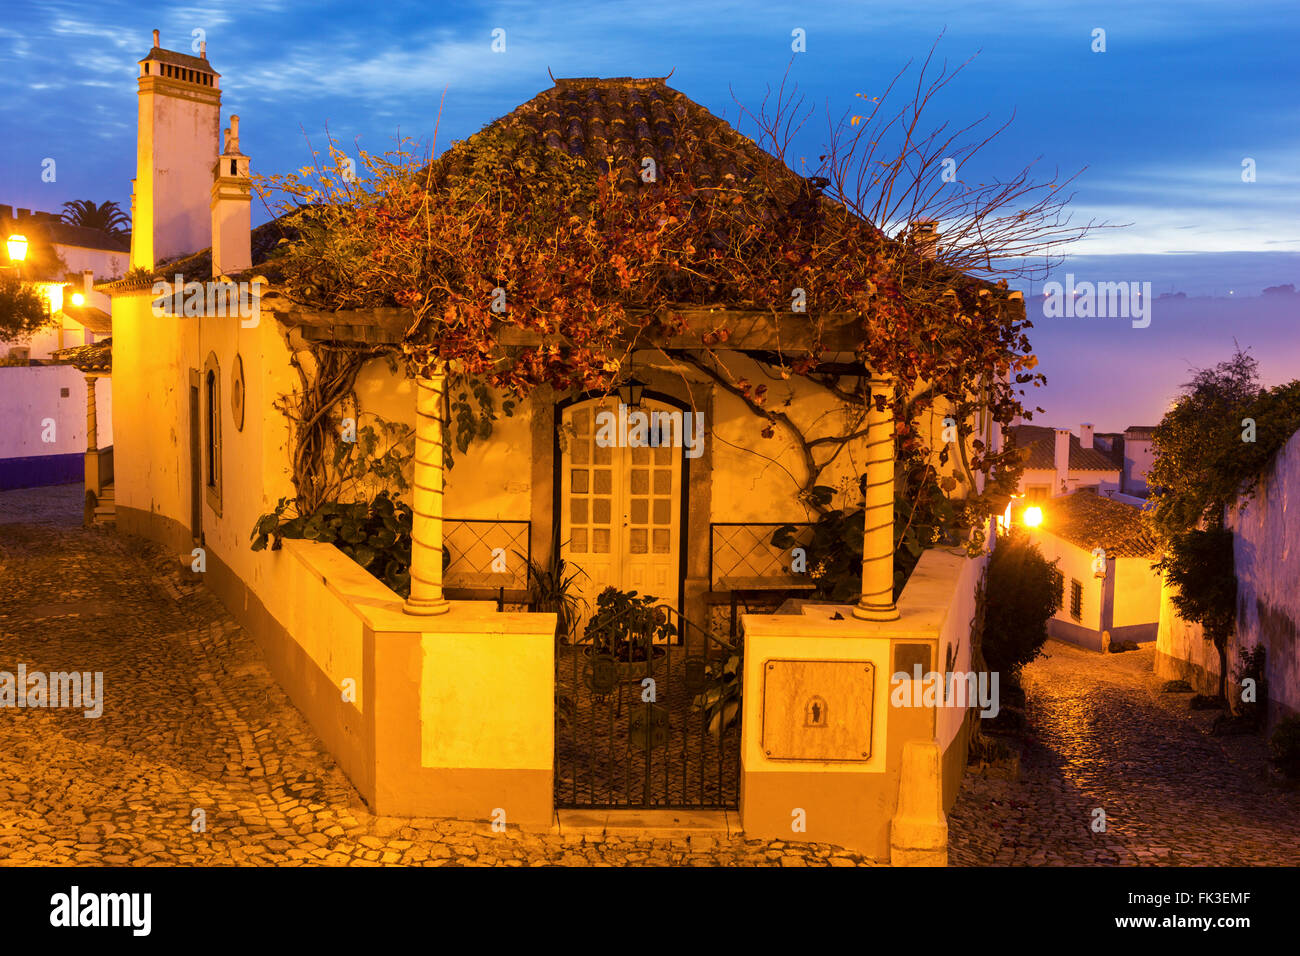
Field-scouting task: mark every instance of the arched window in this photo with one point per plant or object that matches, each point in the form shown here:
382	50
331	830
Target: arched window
212	432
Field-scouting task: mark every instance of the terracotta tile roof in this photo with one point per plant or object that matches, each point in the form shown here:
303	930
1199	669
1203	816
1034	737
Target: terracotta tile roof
88	358
1041	444
621	121
198	266
1091	521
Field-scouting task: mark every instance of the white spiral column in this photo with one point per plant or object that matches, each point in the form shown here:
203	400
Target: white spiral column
877	601
426	506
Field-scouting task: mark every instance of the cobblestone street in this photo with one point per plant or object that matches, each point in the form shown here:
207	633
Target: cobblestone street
1102	736
193	722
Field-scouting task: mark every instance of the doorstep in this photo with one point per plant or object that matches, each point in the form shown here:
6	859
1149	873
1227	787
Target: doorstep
656	824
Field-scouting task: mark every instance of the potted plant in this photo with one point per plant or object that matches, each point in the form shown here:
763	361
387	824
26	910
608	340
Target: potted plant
625	628
553	589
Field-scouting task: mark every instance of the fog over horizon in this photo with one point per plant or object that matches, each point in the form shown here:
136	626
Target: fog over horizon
1105	371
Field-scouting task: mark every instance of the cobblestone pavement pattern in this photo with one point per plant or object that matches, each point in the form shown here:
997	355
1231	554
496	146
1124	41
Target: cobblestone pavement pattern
193	720
1101	735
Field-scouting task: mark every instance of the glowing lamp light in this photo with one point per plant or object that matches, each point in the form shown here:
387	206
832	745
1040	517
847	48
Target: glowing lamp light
1033	516
17	248
78	299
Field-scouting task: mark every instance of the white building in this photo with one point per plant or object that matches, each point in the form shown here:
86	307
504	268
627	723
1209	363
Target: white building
1059	462
1104	552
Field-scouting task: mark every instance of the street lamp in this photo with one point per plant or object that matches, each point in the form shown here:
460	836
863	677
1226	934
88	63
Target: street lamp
629	393
78	299
1033	516
17	248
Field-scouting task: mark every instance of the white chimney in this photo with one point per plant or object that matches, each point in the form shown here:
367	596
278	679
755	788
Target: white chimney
1085	435
231	208
87	282
179	113
1061	459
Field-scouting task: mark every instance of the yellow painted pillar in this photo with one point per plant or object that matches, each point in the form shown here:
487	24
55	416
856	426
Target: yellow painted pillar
918	833
92	422
877	601
426	524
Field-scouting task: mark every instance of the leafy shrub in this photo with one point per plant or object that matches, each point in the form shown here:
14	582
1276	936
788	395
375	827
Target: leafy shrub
376	534
924	517
23	311
1284	747
553	589
1023	591
625	625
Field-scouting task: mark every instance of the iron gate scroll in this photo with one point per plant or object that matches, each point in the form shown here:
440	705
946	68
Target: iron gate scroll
633	725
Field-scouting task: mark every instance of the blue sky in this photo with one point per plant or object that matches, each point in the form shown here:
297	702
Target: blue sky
1162	120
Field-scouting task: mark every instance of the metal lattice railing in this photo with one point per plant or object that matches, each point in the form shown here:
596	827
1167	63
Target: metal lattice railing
486	553
744	550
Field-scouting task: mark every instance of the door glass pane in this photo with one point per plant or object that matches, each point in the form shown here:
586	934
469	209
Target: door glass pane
578	510
579	451
602	453
641	510
637	545
600	541
663	482
578	485
663	456
640	455
578	541
663	511
600	511
604	481
640	481
661	541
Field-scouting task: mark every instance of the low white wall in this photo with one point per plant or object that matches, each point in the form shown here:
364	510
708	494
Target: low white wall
1182	652
29	395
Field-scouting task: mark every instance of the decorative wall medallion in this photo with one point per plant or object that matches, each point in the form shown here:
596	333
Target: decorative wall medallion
237	393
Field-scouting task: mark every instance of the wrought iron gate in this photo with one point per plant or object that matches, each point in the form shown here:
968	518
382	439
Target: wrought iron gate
650	719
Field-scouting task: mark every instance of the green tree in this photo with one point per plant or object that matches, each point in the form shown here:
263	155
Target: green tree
1022	592
1212	448
23	310
1199	448
106	216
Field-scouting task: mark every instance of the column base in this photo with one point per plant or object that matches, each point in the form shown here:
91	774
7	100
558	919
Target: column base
876	612
424	607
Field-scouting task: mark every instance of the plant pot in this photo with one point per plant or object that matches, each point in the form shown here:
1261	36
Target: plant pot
632	670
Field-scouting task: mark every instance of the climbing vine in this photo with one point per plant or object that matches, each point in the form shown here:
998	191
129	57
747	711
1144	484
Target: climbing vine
521	265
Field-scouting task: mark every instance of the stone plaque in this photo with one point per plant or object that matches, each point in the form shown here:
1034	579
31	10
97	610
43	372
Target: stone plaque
817	710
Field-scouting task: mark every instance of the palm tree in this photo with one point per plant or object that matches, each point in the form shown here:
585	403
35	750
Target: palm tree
106	216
